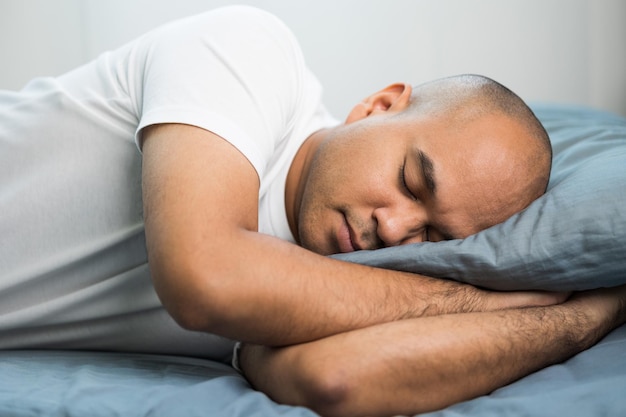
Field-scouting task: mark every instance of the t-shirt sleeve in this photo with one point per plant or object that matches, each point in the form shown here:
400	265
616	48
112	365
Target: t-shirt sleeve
237	72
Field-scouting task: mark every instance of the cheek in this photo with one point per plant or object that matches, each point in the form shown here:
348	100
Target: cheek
330	169
329	189
316	201
351	169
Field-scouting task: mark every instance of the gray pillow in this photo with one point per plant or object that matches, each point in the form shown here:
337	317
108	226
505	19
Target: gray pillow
572	238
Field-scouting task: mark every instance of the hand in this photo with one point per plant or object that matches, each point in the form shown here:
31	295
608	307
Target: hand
606	305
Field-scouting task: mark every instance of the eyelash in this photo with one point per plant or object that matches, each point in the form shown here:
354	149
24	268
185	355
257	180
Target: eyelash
403	182
410	194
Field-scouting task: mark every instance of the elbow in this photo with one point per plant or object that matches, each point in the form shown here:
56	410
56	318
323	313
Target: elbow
328	394
191	317
328	389
203	310
189	299
299	376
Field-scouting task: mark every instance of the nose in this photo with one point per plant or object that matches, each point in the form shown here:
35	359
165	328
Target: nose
400	225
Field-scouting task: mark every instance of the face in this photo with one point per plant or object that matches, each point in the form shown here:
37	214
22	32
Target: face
386	181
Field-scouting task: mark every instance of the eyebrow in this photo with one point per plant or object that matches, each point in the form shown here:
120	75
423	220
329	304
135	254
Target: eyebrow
428	171
428	174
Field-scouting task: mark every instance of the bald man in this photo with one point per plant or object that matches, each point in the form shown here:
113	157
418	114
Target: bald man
180	193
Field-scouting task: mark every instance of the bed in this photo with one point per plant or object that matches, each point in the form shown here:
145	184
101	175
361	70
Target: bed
573	238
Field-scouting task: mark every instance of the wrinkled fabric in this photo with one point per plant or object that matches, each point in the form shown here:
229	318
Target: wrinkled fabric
572	238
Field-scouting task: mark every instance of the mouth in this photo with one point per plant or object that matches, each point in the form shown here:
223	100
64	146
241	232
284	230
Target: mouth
344	237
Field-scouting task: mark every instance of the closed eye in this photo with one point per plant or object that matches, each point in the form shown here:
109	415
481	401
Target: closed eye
407	191
403	184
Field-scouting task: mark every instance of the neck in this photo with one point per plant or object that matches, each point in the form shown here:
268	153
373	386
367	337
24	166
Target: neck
297	178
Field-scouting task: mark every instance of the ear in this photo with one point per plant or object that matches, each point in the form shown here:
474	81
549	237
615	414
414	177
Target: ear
396	97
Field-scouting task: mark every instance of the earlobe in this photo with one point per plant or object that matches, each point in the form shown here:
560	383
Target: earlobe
395	97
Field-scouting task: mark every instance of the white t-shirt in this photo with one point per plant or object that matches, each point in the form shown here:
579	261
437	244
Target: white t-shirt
73	267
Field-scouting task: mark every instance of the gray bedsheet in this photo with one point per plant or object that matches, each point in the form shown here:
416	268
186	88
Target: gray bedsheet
93	384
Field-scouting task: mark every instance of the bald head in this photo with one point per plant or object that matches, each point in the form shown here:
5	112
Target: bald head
510	158
465	97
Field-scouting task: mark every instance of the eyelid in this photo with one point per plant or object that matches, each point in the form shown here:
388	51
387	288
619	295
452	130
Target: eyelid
403	181
410	194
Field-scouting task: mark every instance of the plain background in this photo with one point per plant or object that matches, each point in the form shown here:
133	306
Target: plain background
567	51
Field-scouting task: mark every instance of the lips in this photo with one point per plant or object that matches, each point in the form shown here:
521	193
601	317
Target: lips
344	239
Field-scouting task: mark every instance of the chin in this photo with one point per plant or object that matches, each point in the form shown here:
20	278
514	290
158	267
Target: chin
310	243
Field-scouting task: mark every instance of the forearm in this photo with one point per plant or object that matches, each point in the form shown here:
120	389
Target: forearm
417	365
292	295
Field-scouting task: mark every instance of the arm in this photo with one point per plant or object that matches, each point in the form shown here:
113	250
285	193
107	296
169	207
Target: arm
215	273
418	365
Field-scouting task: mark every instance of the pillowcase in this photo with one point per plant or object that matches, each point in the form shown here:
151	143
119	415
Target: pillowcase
571	238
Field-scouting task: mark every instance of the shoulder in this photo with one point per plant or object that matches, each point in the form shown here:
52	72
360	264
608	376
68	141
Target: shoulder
236	71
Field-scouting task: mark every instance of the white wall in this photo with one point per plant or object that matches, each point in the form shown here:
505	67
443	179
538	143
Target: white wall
546	50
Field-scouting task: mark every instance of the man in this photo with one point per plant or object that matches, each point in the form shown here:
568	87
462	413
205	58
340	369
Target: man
239	160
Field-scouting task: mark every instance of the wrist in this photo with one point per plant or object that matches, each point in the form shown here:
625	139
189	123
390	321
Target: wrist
604	310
